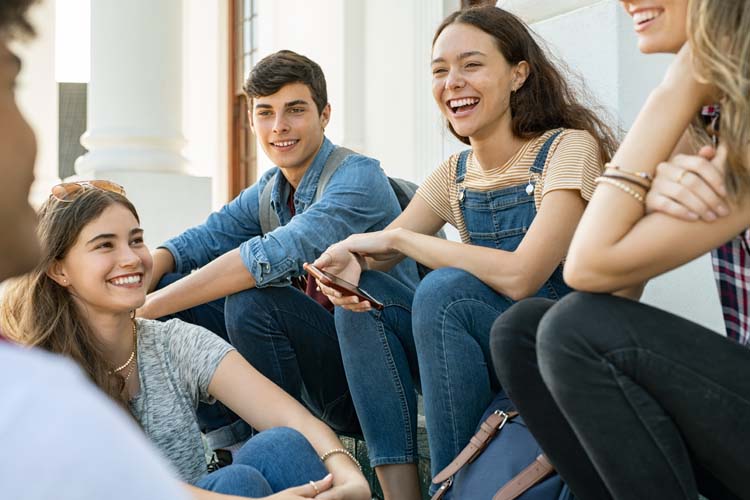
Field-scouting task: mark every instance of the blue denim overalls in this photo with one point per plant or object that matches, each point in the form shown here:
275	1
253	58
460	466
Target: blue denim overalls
500	219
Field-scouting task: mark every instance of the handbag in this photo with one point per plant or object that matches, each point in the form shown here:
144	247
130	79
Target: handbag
502	461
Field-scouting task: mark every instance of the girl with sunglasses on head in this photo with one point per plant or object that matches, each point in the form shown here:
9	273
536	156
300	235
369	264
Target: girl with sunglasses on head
629	401
515	197
79	302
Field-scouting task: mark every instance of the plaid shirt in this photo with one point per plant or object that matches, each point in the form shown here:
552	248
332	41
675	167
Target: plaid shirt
731	263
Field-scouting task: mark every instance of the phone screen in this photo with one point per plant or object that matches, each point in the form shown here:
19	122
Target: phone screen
342	285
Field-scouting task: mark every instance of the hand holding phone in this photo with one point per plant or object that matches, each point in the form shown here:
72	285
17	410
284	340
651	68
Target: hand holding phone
341	285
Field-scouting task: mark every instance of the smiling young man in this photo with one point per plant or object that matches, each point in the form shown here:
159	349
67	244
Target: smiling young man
249	287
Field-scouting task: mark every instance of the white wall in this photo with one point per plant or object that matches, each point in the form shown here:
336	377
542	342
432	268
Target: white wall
375	56
596	39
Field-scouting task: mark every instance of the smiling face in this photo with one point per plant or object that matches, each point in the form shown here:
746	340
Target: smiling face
108	267
472	82
19	248
288	125
660	25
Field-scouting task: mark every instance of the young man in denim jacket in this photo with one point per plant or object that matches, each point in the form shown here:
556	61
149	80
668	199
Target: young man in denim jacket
250	287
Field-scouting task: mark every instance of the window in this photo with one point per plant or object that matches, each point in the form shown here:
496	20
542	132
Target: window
243	22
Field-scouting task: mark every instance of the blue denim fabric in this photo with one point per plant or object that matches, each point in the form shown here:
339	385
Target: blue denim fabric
289	338
272	461
447	332
357	199
271	330
380	359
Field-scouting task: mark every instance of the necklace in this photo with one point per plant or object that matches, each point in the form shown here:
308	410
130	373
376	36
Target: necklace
132	354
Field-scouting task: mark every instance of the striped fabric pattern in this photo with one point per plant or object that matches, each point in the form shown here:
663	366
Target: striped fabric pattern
731	263
573	163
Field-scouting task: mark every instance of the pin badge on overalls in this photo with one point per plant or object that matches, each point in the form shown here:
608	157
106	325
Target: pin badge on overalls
461	194
530	187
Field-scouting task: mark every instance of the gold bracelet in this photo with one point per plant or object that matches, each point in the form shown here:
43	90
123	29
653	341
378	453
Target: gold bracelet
622	186
641	175
629	179
334	451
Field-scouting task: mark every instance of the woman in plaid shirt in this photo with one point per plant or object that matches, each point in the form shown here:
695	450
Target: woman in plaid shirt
629	401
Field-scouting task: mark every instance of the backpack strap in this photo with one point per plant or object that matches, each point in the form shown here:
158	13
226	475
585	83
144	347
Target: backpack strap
269	219
333	162
541	157
487	431
530	476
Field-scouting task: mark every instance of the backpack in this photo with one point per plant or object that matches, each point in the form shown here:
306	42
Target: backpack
501	462
403	189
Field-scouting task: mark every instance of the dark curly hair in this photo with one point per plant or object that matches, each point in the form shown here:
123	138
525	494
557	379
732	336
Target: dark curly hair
13	21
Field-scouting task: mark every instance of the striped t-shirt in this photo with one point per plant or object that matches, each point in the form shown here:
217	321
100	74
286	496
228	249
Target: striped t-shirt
573	162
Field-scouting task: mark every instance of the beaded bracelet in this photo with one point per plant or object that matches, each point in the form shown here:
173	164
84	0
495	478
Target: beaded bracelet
641	175
622	186
625	178
334	451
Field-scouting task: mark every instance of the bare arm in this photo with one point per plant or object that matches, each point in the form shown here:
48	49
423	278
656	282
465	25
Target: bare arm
221	277
235	380
615	245
516	274
295	493
418	217
163	264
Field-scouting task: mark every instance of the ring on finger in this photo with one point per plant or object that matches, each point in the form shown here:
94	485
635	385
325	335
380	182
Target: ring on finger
317	491
681	175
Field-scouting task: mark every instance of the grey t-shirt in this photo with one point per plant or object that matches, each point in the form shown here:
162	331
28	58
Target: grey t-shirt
176	362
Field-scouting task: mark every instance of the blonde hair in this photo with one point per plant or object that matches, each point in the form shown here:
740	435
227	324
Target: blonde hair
719	34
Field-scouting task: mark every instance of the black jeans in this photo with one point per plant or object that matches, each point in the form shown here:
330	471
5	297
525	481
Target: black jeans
628	401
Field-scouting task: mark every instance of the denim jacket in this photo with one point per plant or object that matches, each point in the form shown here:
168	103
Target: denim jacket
357	199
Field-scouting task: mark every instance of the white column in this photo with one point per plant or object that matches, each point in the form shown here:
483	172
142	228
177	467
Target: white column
37	96
134	134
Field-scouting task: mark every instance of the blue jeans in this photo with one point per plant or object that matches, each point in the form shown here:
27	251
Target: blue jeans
440	335
289	338
271	461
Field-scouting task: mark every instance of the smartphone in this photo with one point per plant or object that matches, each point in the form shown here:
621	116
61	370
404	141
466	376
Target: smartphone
342	285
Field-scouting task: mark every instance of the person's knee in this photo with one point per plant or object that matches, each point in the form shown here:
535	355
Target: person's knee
567	332
513	335
237	479
284	436
433	292
270	443
252	299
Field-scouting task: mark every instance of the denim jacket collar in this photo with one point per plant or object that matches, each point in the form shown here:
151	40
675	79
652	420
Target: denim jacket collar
308	184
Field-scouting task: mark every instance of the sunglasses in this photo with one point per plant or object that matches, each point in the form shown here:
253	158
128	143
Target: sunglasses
69	191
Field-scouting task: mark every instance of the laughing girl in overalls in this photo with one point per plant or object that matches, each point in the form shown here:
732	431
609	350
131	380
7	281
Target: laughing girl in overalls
515	198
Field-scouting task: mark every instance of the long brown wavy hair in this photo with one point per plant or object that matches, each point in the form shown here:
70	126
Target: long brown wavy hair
36	311
718	34
546	100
